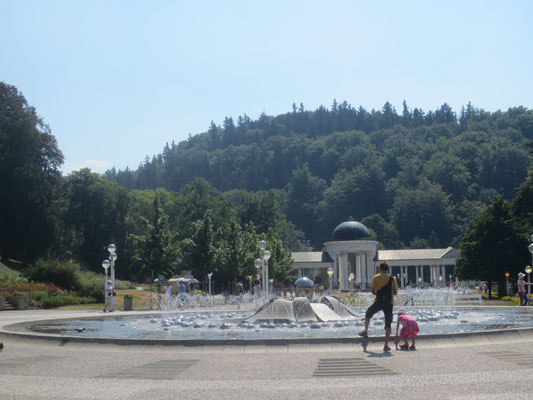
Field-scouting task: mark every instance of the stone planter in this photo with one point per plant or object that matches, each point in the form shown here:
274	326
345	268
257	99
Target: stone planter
19	302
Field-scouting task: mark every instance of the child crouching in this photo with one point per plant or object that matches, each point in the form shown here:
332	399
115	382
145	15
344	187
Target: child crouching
409	329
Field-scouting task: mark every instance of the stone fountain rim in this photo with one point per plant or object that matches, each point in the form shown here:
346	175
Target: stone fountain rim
63	339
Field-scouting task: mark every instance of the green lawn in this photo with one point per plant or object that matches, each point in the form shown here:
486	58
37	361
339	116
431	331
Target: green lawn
141	301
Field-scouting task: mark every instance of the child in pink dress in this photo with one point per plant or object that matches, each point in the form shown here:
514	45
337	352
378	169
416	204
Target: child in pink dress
409	329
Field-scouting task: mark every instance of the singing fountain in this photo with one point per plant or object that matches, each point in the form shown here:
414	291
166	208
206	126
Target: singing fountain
272	318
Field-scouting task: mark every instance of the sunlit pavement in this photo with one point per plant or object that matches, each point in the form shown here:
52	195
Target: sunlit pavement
489	366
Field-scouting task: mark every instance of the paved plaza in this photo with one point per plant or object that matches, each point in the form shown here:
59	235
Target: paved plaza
477	366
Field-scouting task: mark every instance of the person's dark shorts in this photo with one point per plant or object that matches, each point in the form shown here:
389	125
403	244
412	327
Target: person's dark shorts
387	310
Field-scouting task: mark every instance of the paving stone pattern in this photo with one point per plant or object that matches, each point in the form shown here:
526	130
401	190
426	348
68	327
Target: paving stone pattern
337	367
164	369
520	359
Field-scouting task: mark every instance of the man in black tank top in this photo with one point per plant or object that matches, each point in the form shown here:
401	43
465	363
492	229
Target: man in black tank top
385	288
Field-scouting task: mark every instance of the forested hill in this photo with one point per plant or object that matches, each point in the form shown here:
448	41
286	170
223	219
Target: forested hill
414	178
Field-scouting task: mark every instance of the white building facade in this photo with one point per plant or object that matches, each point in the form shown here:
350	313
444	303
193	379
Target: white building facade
353	250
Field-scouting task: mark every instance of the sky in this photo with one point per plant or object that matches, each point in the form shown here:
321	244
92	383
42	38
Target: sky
117	79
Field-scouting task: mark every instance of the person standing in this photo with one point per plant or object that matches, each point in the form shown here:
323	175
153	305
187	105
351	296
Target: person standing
384	286
109	298
522	289
182	288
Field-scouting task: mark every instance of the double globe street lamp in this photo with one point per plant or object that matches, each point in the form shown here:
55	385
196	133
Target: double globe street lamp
528	272
528	268
263	264
110	263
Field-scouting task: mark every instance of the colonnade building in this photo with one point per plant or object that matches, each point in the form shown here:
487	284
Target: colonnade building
352	250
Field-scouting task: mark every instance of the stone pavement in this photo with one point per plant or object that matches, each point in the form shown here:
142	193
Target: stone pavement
488	366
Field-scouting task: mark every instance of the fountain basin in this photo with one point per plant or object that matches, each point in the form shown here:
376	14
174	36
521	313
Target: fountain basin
216	326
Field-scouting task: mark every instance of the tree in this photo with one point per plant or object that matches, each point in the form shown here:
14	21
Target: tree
29	177
358	193
407	116
199	251
304	192
418	212
236	252
388	116
157	250
280	263
385	232
491	246
522	206
94	216
445	115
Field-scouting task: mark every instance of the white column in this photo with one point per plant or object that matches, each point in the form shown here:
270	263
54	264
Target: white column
343	277
336	268
417	276
401	276
364	271
358	273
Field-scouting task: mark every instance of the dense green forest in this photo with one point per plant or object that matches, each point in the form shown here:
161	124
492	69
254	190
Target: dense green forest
416	179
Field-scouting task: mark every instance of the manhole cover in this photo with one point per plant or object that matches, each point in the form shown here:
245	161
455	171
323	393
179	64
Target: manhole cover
164	369
349	367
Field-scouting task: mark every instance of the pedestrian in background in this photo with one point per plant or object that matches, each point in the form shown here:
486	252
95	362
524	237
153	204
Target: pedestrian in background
109	297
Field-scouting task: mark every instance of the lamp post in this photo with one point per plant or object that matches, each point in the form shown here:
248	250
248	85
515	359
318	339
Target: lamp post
440	281
257	263
209	275
530	248
451	283
350	279
330	275
528	272
271	285
113	257
420	282
507	283
106	265
265	256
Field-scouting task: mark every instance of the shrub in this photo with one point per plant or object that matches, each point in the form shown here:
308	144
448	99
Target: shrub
60	273
52	302
59	300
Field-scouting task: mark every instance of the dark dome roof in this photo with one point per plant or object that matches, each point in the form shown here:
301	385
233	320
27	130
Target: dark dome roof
351	230
304	281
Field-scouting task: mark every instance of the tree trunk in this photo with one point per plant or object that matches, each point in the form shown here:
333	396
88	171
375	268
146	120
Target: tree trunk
502	288
489	284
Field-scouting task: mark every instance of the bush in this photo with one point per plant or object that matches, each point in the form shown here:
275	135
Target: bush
52	302
60	273
87	286
46	301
